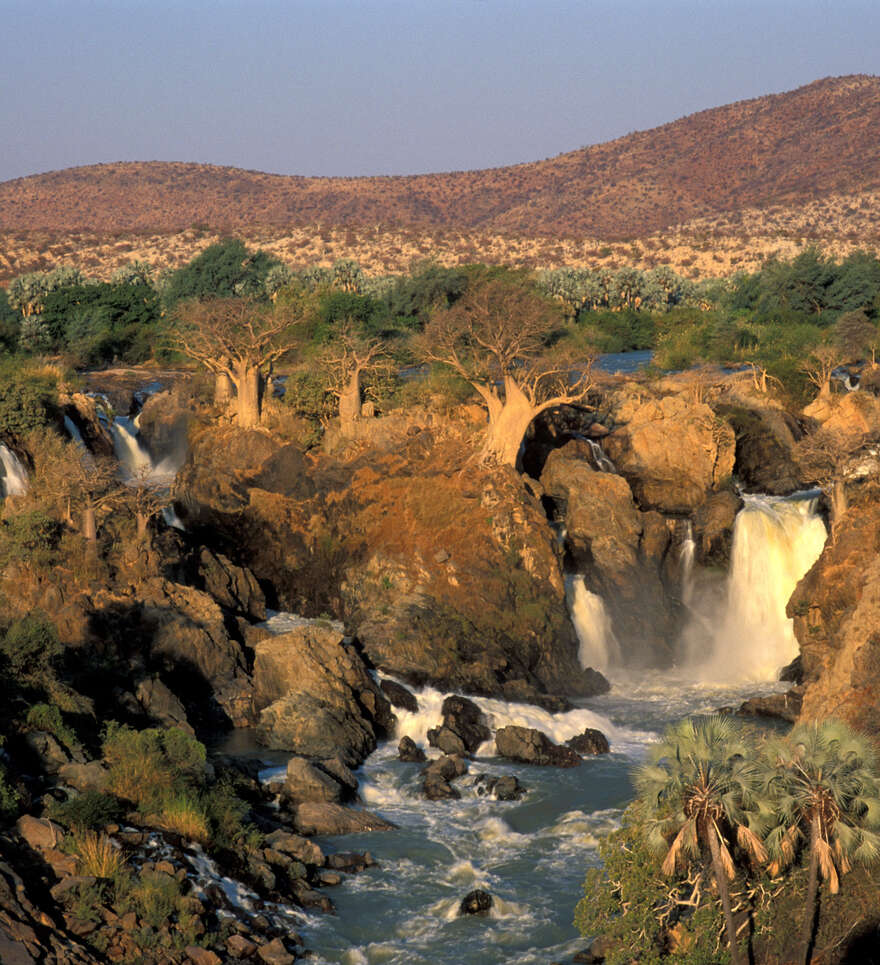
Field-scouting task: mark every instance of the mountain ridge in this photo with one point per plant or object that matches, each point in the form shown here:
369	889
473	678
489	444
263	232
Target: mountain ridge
782	148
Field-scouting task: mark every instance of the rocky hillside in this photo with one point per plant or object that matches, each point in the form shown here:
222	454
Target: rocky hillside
784	149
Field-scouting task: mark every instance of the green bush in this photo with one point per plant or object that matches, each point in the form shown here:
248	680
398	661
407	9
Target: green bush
30	648
28	400
47	717
151	766
87	811
9	798
32	536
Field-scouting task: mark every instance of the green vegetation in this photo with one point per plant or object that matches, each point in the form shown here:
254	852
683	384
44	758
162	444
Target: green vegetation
729	827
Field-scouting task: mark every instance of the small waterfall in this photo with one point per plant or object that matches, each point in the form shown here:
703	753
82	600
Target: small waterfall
598	645
603	463
73	432
775	541
13	480
133	458
686	561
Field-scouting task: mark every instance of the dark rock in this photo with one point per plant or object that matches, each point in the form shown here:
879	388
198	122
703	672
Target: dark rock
233	587
446	740
286	472
84	777
793	673
160	704
309	781
49	751
591	742
296	846
408	750
476	902
465	719
505	788
274	953
350	861
438	775
533	747
785	706
399	696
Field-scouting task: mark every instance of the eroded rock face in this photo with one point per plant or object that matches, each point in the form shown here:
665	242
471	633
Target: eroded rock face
765	436
445	577
836	613
619	549
671	450
315	697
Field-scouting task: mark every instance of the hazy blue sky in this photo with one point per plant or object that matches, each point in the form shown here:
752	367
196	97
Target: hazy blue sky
392	86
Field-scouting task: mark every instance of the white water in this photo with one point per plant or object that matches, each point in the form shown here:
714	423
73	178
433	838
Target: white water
599	648
73	432
686	560
603	463
13	481
775	541
134	460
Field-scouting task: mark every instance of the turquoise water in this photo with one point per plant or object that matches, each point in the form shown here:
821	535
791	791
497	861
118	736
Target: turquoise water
531	855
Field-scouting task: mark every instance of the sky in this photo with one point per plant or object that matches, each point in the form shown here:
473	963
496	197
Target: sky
353	87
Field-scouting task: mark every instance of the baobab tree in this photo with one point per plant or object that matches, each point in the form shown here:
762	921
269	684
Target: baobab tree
237	340
347	358
497	337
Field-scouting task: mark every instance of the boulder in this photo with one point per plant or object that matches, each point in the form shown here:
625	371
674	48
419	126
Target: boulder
528	746
476	902
438	776
40	833
296	847
505	788
465	720
399	697
316	697
161	705
409	751
590	743
313	817
446	740
309	781
48	751
785	706
765	437
233	587
713	527
672	451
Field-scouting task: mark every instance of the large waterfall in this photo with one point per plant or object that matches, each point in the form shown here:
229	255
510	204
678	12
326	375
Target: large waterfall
775	541
134	460
13	478
598	646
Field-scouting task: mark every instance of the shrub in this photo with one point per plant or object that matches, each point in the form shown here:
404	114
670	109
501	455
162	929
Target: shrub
30	647
27	400
47	717
97	856
155	897
9	798
150	766
32	537
89	810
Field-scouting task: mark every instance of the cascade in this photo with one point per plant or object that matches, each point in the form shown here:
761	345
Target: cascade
603	463
598	646
13	481
686	561
133	458
73	432
775	541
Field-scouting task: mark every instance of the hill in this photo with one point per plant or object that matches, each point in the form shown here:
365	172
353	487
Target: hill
791	149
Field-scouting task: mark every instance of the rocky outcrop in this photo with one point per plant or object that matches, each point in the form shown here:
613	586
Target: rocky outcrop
164	423
590	743
462	729
836	614
528	746
315	697
765	437
619	550
233	587
445	577
673	451
313	817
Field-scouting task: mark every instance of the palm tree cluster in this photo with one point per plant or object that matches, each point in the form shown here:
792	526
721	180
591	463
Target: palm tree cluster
715	797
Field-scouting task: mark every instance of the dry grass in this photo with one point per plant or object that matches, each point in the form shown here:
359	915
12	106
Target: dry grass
97	855
186	817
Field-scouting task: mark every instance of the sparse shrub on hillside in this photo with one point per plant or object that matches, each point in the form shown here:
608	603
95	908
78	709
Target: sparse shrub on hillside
31	537
30	649
28	399
89	810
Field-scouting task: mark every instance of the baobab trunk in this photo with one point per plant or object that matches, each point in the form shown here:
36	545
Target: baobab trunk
90	529
350	403
248	385
838	501
222	389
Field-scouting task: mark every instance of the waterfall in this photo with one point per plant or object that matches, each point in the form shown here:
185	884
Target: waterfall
686	561
13	480
775	541
598	645
133	458
603	463
73	432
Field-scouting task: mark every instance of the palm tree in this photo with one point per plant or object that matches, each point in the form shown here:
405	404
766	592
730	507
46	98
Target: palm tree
825	793
702	789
